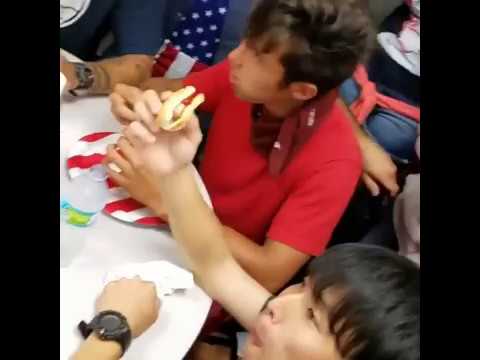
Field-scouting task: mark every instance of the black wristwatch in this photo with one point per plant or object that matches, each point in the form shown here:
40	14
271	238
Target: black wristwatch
108	326
84	76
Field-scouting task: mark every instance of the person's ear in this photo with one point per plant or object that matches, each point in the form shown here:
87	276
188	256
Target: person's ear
303	91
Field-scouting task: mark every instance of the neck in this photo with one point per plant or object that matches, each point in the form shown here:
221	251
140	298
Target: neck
283	108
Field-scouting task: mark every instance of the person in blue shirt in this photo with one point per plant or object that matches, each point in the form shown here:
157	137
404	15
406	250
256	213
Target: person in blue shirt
138	27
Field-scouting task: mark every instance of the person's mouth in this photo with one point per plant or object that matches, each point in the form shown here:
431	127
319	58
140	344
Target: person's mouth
233	78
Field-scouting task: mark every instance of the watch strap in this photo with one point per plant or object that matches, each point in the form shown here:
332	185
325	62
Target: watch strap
85	76
123	336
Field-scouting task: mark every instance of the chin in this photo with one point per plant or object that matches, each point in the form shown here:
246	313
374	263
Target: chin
239	94
251	352
246	98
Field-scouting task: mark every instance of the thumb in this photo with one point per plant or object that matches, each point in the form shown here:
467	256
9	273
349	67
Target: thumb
371	185
192	131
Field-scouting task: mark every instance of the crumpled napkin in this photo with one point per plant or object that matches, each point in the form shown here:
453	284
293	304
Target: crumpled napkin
167	277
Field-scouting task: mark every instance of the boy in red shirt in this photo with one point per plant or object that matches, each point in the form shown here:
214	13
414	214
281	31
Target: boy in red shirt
281	160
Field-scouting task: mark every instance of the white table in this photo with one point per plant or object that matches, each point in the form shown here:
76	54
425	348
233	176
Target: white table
108	243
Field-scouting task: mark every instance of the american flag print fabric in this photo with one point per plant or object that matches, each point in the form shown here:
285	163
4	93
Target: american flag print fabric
199	30
174	64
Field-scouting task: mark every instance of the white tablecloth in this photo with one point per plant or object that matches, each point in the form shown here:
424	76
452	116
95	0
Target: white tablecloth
87	253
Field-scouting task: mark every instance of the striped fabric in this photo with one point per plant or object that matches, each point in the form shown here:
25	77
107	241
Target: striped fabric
173	63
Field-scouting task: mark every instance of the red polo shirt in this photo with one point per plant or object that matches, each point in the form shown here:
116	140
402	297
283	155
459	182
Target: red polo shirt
301	206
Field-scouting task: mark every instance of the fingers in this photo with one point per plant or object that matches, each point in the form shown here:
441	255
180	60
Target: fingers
165	111
148	108
113	156
129	153
389	183
122	100
388	180
130	93
114	167
371	185
138	135
145	115
192	131
392	186
165	95
116	176
121	110
152	101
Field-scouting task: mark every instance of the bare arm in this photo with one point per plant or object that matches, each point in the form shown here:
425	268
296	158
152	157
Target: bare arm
201	235
162	160
124	97
161	84
129	69
134	298
378	167
272	264
93	348
361	136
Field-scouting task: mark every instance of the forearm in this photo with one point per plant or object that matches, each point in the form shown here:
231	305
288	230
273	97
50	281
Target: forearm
248	254
361	136
161	84
208	243
93	348
194	225
199	232
257	260
129	69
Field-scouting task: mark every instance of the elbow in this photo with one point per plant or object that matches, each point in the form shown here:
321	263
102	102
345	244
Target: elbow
272	284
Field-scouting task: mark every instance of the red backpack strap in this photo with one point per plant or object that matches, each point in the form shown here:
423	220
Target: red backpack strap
399	107
369	98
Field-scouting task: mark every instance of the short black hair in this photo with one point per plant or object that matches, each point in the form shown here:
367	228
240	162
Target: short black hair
325	39
378	315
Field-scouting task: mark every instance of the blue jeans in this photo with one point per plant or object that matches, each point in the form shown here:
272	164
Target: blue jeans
394	132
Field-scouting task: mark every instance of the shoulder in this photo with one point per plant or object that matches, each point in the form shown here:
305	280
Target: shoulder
333	142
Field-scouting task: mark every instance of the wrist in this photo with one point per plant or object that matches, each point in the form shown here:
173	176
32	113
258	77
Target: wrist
68	69
365	142
159	209
94	348
170	179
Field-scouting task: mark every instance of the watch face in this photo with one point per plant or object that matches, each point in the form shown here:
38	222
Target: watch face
110	323
112	326
84	76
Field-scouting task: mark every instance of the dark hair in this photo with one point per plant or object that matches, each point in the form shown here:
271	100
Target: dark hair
378	314
325	39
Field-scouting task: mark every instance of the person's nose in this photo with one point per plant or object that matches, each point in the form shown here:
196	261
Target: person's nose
292	289
235	56
284	306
